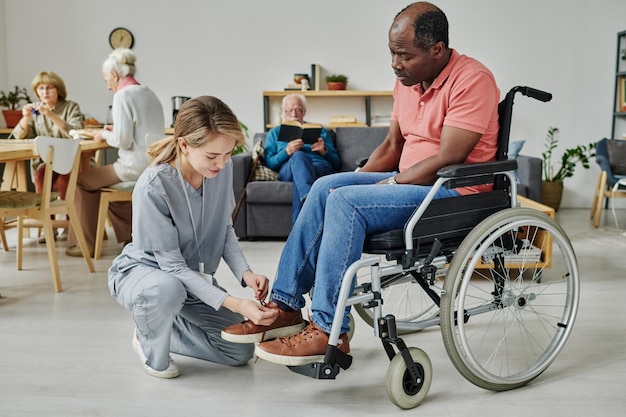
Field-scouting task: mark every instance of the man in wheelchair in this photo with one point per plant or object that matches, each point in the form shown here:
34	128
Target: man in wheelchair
445	112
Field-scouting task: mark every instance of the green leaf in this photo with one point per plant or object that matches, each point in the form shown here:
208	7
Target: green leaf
571	157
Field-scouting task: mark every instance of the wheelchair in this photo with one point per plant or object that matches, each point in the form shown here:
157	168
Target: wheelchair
500	280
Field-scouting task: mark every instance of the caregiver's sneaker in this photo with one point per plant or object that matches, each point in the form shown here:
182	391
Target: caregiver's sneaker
171	371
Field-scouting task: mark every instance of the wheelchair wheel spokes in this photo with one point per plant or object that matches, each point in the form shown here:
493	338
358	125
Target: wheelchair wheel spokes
402	297
517	311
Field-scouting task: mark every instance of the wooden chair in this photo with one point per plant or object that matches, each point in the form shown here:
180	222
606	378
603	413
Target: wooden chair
36	210
4	225
122	191
610	154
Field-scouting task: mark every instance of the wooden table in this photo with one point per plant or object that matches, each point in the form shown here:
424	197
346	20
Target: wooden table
15	153
5	132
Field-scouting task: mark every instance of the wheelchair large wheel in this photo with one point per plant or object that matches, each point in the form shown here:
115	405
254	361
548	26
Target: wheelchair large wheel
504	315
403	298
402	390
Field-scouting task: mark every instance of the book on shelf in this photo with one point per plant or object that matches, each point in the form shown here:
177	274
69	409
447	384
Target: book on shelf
530	253
295	87
316	77
308	132
342	119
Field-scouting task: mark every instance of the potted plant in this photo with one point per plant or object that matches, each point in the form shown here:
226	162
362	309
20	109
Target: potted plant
244	146
337	82
11	102
552	184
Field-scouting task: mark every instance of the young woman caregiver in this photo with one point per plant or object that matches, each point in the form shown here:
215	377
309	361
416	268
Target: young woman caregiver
181	228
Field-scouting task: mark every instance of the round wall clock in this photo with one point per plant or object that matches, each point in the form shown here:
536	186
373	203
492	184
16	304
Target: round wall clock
121	38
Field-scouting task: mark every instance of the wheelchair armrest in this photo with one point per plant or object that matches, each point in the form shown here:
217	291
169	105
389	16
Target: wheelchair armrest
465	170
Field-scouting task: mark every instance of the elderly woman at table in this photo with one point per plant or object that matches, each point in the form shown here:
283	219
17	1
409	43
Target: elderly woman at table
137	116
53	116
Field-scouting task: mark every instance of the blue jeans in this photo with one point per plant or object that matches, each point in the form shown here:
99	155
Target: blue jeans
328	236
302	171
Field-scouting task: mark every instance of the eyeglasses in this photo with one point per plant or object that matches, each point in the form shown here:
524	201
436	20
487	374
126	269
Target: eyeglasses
296	110
46	87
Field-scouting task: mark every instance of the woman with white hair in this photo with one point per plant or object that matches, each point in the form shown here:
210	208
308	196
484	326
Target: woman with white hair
137	114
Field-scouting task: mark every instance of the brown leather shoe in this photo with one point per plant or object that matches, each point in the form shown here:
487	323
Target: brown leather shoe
286	324
307	346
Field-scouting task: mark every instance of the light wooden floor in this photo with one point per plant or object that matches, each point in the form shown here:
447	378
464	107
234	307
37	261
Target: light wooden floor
70	354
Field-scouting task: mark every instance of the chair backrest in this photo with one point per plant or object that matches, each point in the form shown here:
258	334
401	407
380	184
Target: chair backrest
505	113
616	151
65	156
64	152
602	155
611	157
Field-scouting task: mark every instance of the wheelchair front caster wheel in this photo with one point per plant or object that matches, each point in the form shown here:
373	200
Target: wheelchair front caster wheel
352	325
402	390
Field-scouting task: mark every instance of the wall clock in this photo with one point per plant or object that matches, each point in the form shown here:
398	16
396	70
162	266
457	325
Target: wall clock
121	38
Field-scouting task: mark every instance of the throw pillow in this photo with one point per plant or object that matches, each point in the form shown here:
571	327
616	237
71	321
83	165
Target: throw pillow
261	172
515	148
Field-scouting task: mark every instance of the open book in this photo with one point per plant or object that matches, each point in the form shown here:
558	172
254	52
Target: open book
309	132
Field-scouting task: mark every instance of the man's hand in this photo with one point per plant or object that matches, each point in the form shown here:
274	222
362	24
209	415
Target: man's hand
319	147
294	146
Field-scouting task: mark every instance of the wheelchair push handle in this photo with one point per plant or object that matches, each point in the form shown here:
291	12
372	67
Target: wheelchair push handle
534	93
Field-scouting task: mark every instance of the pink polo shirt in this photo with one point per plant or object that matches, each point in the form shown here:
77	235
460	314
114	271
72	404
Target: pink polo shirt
465	96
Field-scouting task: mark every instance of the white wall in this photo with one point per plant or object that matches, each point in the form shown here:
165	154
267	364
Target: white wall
235	50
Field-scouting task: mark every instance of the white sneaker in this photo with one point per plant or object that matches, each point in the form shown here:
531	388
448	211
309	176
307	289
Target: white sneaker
171	371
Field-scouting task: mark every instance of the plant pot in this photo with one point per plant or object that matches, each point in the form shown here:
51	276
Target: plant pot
333	85
12	117
551	193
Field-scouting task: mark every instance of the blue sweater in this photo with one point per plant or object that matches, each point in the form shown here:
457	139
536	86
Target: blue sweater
276	155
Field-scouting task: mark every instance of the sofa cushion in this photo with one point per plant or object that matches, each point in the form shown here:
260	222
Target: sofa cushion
269	192
357	142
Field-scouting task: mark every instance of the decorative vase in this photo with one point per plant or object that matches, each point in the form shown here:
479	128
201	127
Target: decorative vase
551	193
334	85
12	117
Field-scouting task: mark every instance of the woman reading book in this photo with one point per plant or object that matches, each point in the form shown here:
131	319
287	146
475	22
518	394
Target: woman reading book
296	161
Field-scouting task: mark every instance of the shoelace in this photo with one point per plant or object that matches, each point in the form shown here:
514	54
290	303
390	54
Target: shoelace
309	332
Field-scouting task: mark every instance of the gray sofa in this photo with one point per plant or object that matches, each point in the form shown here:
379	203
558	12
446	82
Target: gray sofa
265	211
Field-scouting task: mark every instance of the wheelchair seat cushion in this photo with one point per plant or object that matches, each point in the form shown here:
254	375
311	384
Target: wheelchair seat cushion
447	219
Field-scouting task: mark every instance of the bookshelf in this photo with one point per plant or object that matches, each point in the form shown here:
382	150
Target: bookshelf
271	97
618	128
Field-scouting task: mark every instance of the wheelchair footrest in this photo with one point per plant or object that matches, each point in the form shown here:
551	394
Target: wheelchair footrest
316	370
334	360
